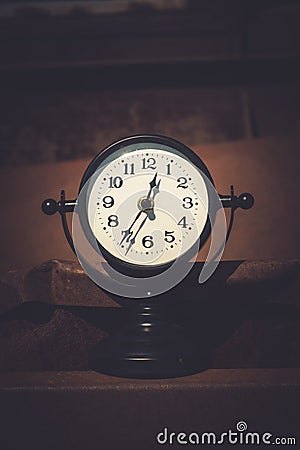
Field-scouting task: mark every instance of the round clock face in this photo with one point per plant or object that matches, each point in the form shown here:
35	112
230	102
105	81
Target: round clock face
147	203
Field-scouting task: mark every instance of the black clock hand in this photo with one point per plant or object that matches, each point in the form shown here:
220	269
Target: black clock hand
127	233
132	241
152	184
150	212
156	189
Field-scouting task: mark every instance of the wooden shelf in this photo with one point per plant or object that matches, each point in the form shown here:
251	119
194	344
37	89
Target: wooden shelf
76	410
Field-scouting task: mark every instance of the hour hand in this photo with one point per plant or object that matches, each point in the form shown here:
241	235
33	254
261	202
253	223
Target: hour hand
156	189
153	182
150	212
152	185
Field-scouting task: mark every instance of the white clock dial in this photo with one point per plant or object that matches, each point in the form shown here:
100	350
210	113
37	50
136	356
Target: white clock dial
148	206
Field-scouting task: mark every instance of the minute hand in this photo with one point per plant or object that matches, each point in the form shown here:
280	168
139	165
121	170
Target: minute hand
132	241
128	232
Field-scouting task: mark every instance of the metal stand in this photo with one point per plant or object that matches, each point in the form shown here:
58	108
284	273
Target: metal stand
149	345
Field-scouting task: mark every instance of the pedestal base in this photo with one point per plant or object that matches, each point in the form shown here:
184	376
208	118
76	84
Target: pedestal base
148	346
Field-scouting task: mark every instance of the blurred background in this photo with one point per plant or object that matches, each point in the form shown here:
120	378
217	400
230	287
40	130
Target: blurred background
222	76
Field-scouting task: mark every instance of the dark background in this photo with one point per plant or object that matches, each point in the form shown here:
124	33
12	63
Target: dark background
221	76
76	78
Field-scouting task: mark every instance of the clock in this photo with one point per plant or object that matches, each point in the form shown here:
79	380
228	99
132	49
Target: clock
146	205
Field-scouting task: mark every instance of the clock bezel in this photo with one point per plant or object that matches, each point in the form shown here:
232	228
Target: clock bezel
138	270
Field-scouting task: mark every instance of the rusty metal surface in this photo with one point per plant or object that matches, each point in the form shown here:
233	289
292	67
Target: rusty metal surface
85	410
280	278
61	341
58	282
250	272
54	282
246	315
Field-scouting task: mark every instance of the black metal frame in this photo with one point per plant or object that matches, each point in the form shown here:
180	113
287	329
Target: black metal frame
158	348
50	206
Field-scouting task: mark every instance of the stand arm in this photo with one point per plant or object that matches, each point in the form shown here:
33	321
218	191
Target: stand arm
51	206
244	201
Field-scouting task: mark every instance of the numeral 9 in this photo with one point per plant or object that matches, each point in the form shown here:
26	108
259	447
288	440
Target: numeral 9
108	201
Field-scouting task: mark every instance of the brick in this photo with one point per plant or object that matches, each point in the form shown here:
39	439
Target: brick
247	315
58	282
280	280
54	282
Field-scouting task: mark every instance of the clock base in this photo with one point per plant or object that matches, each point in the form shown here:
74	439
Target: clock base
148	346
